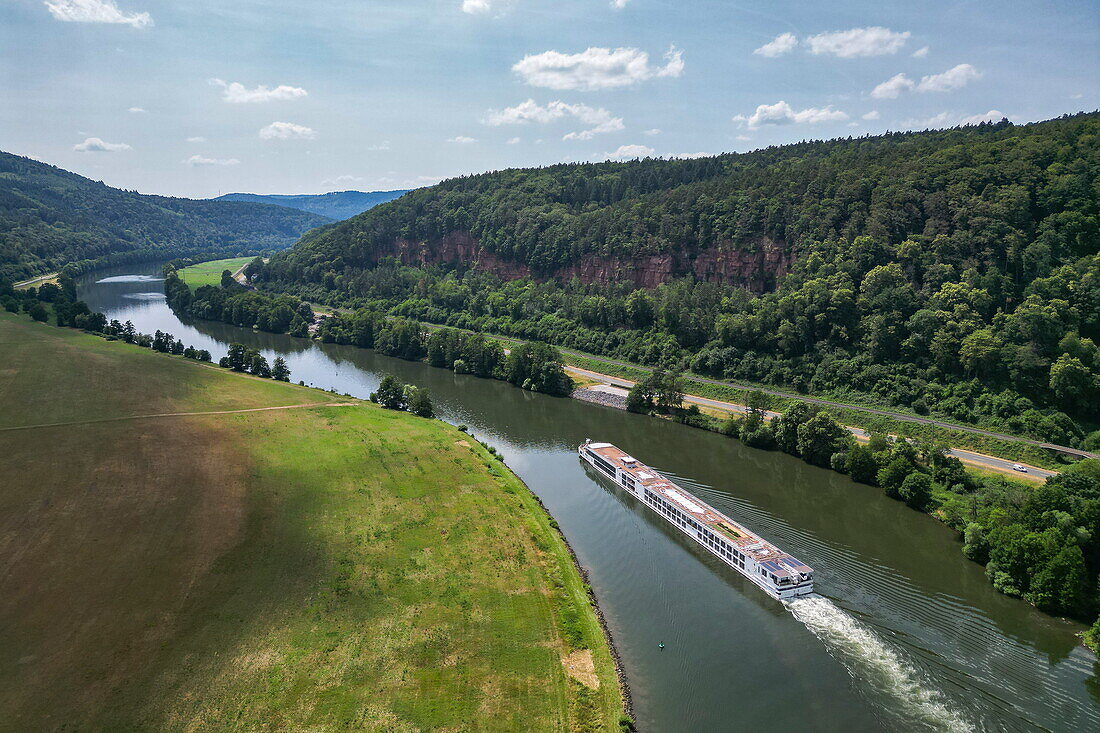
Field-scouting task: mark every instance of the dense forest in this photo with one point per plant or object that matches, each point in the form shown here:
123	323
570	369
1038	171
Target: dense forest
952	272
50	218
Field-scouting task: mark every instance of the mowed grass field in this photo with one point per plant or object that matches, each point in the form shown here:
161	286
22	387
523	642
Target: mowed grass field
210	273
313	568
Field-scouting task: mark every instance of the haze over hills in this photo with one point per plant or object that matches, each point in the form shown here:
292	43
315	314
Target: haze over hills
335	205
50	217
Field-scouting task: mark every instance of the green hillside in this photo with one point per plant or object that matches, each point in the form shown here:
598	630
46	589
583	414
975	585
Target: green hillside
50	218
951	272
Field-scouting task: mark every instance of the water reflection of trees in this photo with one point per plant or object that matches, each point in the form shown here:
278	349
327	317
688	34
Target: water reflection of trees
226	333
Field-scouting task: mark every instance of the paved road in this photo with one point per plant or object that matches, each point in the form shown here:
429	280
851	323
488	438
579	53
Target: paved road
618	385
872	410
35	280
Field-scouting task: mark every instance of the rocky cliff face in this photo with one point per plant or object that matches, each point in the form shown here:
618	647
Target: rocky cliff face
756	268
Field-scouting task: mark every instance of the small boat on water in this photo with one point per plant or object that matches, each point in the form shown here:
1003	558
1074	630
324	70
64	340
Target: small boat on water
779	574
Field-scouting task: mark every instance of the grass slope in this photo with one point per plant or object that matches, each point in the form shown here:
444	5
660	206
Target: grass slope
321	568
210	273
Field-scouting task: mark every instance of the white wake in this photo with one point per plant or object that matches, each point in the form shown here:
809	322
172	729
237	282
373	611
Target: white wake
871	661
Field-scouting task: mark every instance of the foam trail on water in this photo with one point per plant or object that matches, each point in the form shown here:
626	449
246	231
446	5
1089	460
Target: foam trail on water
868	659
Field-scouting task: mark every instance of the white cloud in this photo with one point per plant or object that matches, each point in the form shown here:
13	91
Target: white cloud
95	145
920	53
943	119
873	41
992	115
384	145
778	46
237	93
286	131
781	113
744	137
595	68
462	140
96	11
196	161
1076	96
619	4
612	125
892	87
951	119
530	111
690	156
872	115
476	7
137	110
954	78
653	131
513	141
626	152
341	181
196	139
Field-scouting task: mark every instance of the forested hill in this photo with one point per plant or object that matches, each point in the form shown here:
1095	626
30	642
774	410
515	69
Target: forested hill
335	205
954	272
51	217
995	193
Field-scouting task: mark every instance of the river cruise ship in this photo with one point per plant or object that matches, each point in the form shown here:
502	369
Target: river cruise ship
780	575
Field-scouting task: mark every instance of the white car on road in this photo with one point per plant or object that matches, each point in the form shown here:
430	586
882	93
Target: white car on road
1018	467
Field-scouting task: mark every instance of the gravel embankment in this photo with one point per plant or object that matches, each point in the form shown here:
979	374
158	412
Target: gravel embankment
597	397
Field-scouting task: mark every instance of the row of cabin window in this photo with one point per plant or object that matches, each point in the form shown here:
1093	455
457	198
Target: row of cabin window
709	537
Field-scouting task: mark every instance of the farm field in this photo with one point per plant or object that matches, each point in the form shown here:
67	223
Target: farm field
324	566
210	273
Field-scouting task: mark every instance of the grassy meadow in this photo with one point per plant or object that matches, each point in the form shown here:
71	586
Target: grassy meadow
210	273
321	567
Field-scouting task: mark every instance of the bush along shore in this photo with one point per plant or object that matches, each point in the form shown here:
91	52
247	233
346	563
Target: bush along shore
1042	544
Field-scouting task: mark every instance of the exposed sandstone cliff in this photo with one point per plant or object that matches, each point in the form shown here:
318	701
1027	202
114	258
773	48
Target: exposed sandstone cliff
756	268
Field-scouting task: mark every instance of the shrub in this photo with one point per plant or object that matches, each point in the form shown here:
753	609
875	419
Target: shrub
419	401
916	489
975	544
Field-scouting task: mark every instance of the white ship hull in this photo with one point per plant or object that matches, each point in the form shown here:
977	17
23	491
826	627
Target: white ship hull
773	571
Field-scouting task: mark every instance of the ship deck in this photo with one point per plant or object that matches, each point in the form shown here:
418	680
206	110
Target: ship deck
749	543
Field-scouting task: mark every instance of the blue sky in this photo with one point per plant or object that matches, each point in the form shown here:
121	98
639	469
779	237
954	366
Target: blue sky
201	97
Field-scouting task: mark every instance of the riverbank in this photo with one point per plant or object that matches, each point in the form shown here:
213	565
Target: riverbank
866	417
317	567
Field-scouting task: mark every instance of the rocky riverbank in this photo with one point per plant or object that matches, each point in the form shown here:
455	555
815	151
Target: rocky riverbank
600	397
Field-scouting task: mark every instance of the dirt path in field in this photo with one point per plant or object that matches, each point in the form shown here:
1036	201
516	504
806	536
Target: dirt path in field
177	414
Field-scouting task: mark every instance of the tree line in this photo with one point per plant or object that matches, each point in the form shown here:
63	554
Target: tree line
394	395
533	366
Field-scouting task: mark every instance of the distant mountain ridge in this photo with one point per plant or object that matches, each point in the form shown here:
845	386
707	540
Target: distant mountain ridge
336	205
51	218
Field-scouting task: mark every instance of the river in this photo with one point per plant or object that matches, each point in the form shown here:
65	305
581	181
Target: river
906	633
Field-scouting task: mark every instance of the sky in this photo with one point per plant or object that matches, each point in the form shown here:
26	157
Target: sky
202	97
